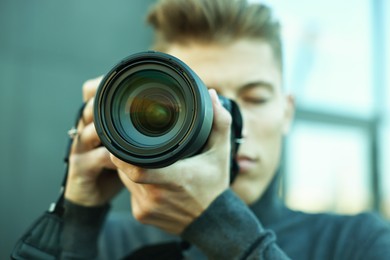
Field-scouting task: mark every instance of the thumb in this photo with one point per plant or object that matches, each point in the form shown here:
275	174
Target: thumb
220	133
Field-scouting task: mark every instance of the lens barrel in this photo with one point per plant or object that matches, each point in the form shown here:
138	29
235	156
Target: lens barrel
152	110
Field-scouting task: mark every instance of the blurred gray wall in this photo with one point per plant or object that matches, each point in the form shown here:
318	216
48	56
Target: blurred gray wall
47	50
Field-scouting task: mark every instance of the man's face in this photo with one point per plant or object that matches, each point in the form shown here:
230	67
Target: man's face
246	71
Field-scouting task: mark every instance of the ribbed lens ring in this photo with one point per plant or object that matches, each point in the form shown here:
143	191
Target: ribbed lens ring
152	110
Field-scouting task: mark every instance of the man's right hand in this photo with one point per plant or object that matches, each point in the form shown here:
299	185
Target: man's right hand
92	177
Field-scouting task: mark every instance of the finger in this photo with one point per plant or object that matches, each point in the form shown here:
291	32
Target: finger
132	172
161	176
88	112
220	133
91	162
90	87
86	116
87	139
143	199
138	196
134	188
137	191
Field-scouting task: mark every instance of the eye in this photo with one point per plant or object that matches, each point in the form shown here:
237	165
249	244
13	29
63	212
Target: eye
256	94
255	100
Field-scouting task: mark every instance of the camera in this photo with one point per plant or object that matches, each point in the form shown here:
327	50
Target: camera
152	110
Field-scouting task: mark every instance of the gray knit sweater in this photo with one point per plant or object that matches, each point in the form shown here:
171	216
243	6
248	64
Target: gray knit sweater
229	229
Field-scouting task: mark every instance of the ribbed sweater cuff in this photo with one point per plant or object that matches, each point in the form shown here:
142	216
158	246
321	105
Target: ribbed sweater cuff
82	226
226	230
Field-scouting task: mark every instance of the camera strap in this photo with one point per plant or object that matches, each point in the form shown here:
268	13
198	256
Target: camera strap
57	207
236	138
42	239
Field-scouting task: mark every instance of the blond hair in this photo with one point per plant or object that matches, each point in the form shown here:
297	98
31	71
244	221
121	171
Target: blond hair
213	21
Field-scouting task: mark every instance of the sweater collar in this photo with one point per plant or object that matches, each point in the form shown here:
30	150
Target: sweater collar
269	208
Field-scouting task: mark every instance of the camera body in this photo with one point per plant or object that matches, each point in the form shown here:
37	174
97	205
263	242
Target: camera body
152	110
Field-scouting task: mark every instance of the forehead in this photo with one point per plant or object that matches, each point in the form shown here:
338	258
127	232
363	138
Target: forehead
230	66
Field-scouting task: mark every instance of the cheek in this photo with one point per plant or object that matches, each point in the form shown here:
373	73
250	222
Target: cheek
265	123
265	134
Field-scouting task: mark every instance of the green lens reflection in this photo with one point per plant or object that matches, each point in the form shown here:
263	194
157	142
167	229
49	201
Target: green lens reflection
154	115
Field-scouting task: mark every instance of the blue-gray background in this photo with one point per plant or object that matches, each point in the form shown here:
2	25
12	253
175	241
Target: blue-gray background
338	73
47	50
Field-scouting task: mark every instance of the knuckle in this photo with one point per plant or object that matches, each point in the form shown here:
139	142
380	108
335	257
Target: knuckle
77	163
115	160
137	175
142	215
74	159
102	156
87	85
156	195
150	206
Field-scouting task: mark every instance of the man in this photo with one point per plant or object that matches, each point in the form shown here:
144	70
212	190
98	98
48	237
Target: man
235	48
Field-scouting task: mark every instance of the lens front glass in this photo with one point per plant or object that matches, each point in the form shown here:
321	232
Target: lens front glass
154	112
149	108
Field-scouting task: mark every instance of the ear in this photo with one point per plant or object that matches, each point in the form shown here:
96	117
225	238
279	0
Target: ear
289	111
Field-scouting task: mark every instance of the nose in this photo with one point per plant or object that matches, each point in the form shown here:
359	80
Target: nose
244	116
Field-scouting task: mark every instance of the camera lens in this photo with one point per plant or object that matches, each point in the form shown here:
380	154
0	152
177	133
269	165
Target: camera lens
152	110
153	114
148	102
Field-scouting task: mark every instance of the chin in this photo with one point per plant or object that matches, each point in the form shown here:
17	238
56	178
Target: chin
247	190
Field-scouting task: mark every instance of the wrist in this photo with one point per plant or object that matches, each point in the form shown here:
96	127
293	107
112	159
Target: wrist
83	198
